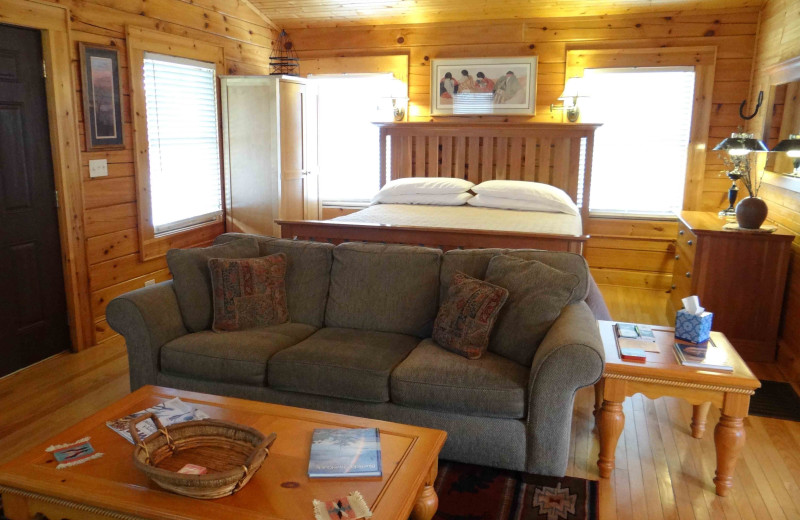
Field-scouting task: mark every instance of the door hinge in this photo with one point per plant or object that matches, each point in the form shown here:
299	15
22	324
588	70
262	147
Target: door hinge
56	192
44	69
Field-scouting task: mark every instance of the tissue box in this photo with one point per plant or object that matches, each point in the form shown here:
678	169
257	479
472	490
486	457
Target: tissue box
693	328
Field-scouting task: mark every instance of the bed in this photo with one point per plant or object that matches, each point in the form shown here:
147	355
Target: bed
552	153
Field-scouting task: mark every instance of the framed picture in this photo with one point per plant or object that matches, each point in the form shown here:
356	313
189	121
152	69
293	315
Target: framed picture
484	86
102	100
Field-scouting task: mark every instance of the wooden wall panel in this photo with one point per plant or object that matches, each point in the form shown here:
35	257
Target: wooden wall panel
732	32
110	217
778	41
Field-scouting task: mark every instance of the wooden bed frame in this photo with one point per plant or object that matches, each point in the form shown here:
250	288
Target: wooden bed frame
559	154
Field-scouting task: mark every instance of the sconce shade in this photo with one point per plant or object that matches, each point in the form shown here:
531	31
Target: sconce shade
741	144
574	88
791	146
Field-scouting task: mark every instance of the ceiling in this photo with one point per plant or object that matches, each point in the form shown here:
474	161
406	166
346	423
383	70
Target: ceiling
307	13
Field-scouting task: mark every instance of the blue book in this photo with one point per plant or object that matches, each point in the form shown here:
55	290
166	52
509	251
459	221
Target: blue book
345	452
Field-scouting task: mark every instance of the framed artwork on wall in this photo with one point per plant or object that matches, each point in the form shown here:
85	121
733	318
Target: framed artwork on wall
483	86
102	99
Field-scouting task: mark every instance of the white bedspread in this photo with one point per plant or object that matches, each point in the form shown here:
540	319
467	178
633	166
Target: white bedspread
467	217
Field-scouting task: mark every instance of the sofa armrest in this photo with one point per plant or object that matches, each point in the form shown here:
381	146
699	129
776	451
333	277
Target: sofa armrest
147	318
569	358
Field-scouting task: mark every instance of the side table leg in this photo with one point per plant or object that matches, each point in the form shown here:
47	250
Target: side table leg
427	500
729	437
612	422
699	415
598	398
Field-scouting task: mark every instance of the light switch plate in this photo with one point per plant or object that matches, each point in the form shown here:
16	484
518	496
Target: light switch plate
98	168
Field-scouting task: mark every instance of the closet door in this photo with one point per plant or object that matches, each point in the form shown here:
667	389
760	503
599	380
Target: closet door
312	210
293	145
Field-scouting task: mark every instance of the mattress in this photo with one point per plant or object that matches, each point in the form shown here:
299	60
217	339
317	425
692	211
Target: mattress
467	217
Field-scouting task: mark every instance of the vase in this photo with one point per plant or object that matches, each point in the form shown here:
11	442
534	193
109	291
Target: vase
751	212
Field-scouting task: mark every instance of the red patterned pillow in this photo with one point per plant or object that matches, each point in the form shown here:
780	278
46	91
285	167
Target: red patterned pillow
248	292
466	317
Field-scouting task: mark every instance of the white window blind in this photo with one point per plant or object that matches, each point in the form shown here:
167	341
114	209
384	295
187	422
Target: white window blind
348	139
640	152
183	138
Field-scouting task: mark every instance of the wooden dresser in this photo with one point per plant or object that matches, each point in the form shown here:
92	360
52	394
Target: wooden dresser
739	276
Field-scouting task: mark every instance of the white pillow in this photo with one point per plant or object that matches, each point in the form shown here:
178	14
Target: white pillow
545	195
426	185
487	201
443	199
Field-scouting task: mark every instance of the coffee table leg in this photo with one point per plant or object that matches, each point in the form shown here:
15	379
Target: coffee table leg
729	437
699	415
427	500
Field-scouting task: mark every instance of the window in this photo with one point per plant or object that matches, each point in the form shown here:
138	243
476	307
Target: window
183	142
348	139
640	152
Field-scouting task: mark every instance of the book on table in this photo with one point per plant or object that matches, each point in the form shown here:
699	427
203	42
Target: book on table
634	341
705	355
345	452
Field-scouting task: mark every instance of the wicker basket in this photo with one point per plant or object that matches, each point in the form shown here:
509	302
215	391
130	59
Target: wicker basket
231	453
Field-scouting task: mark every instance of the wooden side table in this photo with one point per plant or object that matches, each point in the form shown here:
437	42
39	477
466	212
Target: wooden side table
661	375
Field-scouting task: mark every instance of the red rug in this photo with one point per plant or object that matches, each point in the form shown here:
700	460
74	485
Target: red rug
468	492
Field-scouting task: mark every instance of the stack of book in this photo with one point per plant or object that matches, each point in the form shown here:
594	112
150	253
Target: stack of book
705	355
634	341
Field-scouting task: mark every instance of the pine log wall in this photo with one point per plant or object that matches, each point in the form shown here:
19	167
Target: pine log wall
778	41
110	202
621	252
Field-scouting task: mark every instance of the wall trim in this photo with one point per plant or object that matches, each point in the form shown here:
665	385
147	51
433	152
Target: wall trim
53	21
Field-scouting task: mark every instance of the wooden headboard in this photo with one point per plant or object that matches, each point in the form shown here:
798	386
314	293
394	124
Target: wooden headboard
550	153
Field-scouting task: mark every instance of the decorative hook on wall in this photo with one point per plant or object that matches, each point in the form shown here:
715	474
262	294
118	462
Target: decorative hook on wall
758	106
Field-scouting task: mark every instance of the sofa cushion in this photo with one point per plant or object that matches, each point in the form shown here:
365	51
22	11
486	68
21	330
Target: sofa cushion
231	357
226	238
386	288
192	280
248	292
337	362
536	295
466	317
432	378
474	262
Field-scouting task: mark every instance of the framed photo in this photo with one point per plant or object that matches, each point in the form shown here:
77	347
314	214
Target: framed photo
102	100
484	86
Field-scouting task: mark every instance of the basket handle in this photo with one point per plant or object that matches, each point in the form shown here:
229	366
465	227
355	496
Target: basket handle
135	433
265	446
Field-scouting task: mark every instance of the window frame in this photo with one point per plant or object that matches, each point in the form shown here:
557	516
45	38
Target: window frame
138	42
703	59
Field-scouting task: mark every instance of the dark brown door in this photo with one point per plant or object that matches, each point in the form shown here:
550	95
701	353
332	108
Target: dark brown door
33	315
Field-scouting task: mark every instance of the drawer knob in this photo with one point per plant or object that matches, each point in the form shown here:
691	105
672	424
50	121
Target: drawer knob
680	232
674	286
677	257
689	242
688	274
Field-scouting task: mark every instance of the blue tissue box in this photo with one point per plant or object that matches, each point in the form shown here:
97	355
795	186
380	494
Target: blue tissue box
692	328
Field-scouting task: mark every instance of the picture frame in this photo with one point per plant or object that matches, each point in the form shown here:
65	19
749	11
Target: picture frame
102	99
492	86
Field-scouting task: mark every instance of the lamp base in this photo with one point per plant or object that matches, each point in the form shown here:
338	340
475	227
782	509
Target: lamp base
730	212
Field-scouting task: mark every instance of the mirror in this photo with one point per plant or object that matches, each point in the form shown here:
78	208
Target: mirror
782	120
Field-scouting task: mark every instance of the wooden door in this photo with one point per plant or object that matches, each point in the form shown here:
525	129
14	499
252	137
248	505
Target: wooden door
33	313
312	210
299	180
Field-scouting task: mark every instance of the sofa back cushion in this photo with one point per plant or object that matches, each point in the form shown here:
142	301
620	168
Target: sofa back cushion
536	295
474	262
307	277
385	288
192	279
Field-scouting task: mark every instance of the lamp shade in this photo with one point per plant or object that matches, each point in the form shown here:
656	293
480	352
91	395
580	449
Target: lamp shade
791	146
574	88
741	144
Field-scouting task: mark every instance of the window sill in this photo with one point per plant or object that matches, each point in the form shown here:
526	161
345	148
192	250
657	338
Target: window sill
198	235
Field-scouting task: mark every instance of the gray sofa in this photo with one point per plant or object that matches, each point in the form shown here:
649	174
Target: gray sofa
359	343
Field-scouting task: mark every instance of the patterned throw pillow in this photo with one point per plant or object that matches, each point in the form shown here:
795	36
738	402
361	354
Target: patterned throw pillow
466	317
249	292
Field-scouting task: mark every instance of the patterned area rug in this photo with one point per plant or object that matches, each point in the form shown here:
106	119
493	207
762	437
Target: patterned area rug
468	492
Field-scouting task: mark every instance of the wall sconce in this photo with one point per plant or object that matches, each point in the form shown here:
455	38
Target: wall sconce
399	99
573	89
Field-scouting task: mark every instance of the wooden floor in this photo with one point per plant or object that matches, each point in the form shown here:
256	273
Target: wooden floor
662	472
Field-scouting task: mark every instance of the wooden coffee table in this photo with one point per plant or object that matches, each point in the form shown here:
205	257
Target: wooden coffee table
110	487
661	375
